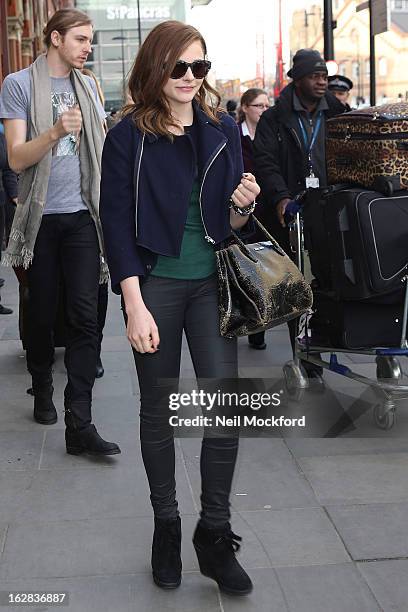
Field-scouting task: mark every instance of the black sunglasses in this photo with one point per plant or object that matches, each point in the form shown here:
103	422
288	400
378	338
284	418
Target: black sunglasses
199	68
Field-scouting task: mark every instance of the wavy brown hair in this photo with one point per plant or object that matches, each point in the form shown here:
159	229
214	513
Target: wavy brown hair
150	72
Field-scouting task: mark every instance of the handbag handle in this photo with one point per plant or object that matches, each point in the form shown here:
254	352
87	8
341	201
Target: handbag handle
267	234
247	252
243	247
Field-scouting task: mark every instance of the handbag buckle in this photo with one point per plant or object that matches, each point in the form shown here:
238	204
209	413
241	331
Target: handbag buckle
266	244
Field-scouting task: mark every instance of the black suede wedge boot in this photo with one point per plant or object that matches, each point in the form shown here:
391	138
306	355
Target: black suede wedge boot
166	553
216	550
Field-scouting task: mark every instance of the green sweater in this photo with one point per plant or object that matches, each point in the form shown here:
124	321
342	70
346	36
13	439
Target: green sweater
197	258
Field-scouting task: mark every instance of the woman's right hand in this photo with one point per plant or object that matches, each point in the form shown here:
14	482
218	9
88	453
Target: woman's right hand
141	328
142	331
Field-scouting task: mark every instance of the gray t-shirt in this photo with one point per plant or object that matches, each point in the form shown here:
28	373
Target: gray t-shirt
64	186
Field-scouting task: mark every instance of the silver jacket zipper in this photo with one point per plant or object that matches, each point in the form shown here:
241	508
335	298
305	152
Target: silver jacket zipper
137	180
207	237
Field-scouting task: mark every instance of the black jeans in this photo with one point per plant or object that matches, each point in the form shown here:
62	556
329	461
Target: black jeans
66	248
2	225
102	310
2	228
191	305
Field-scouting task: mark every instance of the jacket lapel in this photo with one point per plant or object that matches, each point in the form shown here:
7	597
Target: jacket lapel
211	138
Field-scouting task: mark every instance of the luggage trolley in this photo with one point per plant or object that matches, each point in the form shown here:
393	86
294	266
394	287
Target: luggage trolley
389	373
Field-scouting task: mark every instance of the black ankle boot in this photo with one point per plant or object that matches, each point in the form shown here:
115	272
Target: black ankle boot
88	441
216	557
166	551
44	409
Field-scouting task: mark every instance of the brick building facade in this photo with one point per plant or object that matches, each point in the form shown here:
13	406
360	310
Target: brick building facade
21	25
351	46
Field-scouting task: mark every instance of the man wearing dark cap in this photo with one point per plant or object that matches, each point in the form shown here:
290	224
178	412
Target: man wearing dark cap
341	86
289	147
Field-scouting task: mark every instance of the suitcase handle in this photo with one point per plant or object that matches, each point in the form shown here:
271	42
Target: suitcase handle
387	185
330	189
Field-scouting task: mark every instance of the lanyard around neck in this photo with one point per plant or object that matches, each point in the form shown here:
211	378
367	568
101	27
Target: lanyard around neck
316	129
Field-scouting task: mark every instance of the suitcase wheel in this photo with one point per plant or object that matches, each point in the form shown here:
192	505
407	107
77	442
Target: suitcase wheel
384	415
296	381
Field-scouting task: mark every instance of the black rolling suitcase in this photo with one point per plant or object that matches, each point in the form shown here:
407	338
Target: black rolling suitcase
363	238
358	325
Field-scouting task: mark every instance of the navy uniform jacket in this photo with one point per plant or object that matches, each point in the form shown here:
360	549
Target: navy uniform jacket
146	186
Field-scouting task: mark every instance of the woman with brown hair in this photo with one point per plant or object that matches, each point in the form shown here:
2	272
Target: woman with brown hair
172	187
253	103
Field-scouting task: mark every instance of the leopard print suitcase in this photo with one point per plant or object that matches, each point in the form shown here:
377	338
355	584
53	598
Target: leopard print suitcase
366	144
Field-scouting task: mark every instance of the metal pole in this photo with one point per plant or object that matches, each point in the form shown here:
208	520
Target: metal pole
139	25
263	61
328	30
122	41
373	88
360	88
306	29
405	317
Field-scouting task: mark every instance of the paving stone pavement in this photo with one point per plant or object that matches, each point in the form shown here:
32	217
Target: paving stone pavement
323	520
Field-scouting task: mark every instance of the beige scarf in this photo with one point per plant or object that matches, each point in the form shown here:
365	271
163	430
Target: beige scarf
33	182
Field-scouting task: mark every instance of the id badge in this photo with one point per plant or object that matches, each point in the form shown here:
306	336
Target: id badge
312	182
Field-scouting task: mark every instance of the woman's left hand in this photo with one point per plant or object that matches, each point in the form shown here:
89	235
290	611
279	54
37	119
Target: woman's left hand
246	191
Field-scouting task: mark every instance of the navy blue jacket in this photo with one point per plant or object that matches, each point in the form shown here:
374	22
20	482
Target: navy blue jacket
146	186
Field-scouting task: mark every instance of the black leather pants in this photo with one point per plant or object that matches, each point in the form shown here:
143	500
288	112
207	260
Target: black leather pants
192	306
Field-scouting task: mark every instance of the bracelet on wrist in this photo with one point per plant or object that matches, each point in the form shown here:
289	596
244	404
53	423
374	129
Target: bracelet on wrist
244	212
